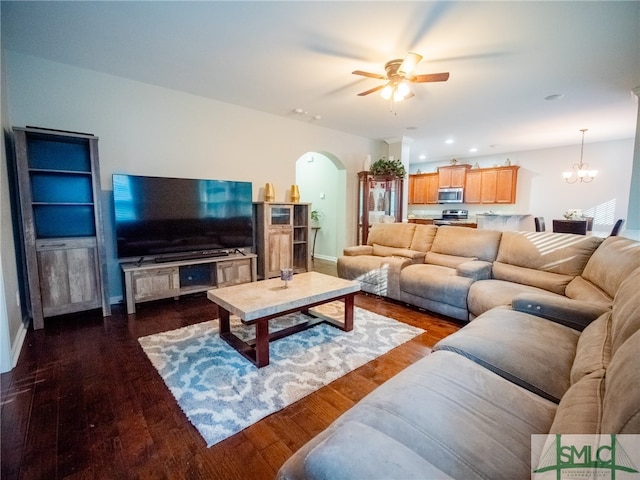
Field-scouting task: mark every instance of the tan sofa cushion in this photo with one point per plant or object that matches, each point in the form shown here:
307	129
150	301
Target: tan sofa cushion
559	253
580	410
423	237
552	282
625	316
384	251
451	261
593	352
584	290
621	413
397	235
467	242
611	263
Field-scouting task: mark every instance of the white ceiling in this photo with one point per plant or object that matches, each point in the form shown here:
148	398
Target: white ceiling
504	59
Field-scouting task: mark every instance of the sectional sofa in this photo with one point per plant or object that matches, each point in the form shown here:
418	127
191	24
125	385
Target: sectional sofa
552	347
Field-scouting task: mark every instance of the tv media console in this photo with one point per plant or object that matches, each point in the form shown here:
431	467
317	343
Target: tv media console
148	281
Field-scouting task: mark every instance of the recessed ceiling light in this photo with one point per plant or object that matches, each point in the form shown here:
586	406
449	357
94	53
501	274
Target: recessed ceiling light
449	141
555	96
473	150
299	110
422	156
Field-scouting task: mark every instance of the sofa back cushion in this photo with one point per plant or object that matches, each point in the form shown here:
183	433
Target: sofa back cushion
611	263
384	251
423	237
560	253
397	235
625	315
467	242
605	378
543	259
450	261
552	282
622	390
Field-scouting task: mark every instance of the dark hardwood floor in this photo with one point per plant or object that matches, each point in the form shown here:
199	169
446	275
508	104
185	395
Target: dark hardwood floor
84	402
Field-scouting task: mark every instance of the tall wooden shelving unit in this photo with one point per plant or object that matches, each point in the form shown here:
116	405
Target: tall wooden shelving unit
59	189
378	196
282	233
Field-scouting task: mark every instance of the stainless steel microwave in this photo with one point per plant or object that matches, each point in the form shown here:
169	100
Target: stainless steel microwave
451	195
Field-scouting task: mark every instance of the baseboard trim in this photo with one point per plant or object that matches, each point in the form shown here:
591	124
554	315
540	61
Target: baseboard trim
326	257
16	348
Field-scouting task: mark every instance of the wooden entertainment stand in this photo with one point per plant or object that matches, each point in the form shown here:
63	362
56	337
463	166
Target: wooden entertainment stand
148	281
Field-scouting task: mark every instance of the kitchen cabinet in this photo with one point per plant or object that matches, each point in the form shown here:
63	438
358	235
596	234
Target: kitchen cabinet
491	185
453	176
472	187
423	188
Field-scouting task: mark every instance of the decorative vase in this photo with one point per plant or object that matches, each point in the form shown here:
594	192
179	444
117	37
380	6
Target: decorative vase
295	194
269	193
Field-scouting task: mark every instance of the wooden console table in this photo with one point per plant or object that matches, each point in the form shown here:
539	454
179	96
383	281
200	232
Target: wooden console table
157	280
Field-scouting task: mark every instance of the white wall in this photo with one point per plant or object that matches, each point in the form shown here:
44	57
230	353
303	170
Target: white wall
322	183
543	192
144	129
12	328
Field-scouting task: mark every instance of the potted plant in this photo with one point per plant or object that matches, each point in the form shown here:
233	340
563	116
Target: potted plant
385	167
316	215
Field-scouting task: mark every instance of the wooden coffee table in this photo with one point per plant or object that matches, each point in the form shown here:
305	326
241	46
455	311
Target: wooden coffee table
258	302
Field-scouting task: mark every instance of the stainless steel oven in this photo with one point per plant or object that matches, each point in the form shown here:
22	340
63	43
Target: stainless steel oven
451	195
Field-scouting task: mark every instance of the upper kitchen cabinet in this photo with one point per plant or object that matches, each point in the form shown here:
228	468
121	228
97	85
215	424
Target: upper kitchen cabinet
491	185
423	188
453	176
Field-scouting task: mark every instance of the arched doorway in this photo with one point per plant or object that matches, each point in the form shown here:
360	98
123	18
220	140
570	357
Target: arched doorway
322	180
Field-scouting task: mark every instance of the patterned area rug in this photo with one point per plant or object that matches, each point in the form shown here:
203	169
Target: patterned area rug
222	393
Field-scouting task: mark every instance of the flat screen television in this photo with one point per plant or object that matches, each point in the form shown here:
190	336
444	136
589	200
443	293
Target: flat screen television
163	217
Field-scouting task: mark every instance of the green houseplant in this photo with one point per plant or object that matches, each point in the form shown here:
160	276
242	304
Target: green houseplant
316	215
385	167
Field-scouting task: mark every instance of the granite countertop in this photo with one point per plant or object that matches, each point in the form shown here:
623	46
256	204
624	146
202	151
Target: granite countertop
502	214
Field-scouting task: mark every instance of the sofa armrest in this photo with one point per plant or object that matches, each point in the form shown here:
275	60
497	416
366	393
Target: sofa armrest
358	250
476	270
565	311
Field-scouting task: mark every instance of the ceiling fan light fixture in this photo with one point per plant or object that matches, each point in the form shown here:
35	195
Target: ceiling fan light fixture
403	89
409	63
387	92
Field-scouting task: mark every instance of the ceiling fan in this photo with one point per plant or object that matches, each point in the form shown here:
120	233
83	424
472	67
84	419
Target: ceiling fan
399	75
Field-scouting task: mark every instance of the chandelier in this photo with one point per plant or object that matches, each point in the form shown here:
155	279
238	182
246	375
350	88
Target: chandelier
580	169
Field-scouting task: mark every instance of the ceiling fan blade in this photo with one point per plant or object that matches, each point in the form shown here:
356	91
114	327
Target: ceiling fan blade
374	89
370	75
409	63
430	77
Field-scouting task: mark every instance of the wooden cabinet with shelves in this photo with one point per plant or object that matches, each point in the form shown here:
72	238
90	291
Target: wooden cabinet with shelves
453	176
64	253
423	188
378	197
491	185
154	281
282	237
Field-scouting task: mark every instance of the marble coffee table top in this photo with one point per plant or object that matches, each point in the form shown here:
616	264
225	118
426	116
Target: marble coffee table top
255	300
